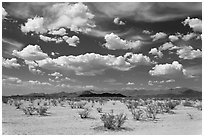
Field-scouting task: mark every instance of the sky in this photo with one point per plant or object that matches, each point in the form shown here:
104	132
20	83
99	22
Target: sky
51	47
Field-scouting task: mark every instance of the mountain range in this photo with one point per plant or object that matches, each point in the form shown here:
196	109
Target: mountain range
165	93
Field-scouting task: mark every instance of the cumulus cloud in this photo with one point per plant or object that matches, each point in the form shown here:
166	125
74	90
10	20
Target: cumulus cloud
173	38
167	46
156	52
159	35
4	13
72	41
59	32
38	83
146	32
30	53
91	63
194	23
189	36
118	21
170	81
174	69
114	42
56	75
187	52
35	24
137	59
75	17
11	80
10	63
130	83
49	39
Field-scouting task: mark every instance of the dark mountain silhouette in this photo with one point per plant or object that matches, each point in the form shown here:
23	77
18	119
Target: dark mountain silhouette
91	94
165	93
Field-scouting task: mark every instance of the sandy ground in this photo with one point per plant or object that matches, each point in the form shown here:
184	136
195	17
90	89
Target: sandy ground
64	120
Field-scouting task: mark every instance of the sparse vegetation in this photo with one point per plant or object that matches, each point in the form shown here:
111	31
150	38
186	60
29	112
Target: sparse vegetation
85	113
113	121
99	109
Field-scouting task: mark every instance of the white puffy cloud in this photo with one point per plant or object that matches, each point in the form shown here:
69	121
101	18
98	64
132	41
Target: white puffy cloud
146	32
91	63
137	59
4	13
167	46
114	42
130	83
38	83
189	36
56	75
47	39
59	32
30	53
11	80
194	23
174	69
156	52
10	63
187	52
150	83
173	38
170	80
35	24
118	21
72	41
157	36
75	17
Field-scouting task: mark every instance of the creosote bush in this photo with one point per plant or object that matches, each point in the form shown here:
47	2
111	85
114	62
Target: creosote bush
85	113
137	113
113	121
42	110
99	109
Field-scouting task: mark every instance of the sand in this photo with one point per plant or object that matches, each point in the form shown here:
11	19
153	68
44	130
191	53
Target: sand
66	121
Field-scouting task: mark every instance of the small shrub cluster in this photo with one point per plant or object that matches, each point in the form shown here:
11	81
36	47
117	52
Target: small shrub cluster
113	121
85	113
137	113
31	110
99	109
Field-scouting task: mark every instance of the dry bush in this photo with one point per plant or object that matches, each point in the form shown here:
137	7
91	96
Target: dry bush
113	121
17	104
187	104
99	109
85	113
137	113
151	111
42	110
30	110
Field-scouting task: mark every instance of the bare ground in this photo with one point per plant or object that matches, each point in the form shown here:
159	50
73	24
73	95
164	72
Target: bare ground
64	120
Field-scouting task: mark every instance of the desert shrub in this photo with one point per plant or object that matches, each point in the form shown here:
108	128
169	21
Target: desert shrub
99	109
85	113
137	113
81	105
62	104
54	102
171	104
30	110
42	110
199	106
112	121
187	104
17	104
151	111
